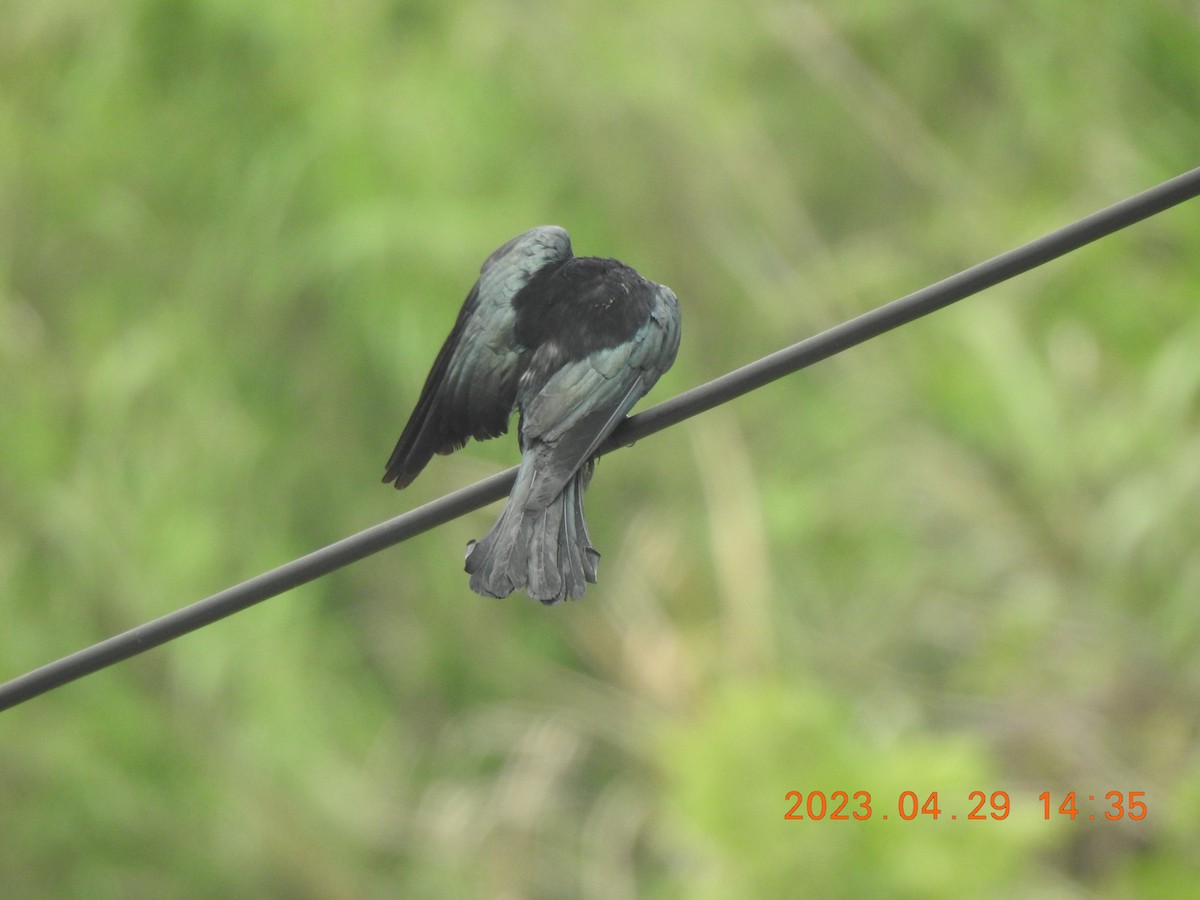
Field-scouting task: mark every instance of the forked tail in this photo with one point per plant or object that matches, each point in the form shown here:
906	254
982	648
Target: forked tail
543	550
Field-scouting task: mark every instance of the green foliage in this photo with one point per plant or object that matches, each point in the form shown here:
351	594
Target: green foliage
775	739
962	557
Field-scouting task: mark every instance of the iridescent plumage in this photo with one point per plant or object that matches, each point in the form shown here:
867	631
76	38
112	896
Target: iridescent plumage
570	343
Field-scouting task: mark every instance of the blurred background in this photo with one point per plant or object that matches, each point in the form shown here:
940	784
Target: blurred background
963	557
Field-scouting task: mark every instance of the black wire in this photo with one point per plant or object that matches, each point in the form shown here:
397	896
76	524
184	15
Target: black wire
906	309
699	399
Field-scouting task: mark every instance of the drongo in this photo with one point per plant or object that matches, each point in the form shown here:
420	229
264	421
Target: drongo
568	342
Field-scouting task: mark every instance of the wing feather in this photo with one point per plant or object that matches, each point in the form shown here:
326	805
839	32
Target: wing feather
581	403
472	386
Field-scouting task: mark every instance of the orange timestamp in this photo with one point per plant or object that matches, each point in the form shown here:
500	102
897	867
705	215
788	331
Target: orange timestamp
978	806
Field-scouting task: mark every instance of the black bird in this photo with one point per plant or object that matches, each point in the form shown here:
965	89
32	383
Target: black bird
569	342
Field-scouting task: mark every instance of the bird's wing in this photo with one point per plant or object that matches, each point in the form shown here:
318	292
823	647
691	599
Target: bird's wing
472	386
583	401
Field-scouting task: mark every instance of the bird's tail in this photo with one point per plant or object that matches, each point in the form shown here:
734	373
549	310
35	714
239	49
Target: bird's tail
542	549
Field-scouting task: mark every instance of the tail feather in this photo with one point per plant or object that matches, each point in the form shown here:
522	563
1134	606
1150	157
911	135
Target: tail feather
547	569
544	550
585	557
494	563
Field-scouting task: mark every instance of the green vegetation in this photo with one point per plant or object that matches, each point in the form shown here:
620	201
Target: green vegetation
963	557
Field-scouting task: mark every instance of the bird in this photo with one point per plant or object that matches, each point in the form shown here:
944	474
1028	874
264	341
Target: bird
568	343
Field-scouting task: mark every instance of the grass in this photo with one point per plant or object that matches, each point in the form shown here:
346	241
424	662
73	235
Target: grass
959	558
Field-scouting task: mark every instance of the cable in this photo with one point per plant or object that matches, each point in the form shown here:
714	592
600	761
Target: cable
906	309
690	403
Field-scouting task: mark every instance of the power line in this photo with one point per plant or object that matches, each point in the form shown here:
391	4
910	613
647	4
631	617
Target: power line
900	312
699	399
